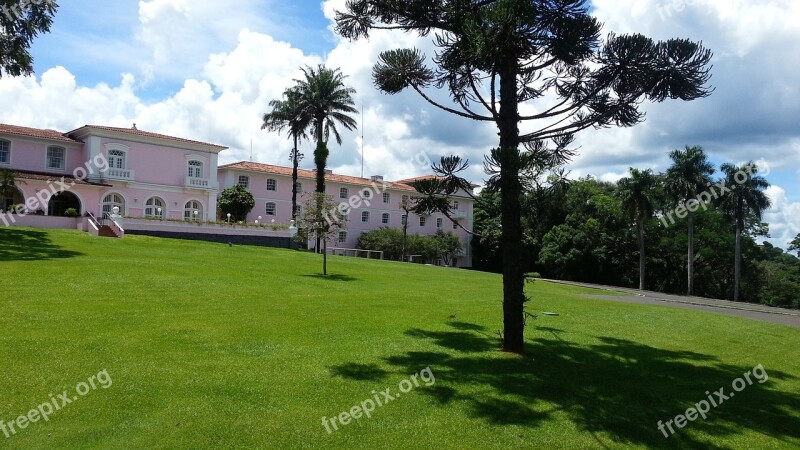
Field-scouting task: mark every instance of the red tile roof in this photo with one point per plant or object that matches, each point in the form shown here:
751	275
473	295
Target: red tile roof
42	176
52	135
303	173
138	132
410	181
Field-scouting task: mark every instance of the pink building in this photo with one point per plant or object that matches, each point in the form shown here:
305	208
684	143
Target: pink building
96	169
169	186
271	187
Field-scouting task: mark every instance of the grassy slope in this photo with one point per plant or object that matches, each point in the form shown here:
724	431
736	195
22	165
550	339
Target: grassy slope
223	347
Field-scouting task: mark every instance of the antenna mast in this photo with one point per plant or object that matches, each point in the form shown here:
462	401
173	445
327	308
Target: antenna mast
362	137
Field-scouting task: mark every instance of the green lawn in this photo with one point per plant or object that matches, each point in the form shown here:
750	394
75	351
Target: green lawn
211	346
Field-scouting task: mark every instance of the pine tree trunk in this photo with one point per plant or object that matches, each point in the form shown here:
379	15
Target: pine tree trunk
510	190
737	263
641	255
690	256
325	257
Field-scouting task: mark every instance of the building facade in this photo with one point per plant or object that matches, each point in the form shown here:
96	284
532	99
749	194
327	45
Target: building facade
379	202
142	175
95	169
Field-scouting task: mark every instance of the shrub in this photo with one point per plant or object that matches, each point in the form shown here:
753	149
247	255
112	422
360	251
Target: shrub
71	212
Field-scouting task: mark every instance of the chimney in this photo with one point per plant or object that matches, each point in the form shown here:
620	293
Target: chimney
328	172
376	178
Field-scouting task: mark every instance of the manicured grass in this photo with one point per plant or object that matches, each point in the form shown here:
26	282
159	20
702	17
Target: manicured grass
211	346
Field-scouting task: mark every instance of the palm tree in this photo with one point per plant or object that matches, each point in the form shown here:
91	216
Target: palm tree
287	113
325	101
746	198
795	244
638	199
689	175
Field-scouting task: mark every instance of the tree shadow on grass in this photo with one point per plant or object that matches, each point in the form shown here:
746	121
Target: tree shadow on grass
29	245
360	372
331	277
616	390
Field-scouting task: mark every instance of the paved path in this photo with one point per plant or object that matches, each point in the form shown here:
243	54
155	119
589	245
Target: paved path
782	316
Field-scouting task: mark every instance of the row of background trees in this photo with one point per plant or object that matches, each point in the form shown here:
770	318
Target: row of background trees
619	234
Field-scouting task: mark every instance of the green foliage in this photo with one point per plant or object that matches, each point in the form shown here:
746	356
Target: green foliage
71	212
794	246
319	221
20	23
444	246
237	201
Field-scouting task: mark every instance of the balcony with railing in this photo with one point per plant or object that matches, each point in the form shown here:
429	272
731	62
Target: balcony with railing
120	174
200	183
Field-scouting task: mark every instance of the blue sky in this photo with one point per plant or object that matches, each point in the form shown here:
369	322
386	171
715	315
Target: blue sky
206	69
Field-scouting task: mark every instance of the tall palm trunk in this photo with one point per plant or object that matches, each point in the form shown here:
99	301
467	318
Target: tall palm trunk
641	253
510	190
690	256
295	165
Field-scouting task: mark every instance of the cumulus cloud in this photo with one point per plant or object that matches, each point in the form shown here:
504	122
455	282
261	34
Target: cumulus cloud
225	65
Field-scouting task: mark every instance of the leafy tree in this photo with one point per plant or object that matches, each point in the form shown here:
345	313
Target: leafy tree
638	193
20	23
496	54
316	222
448	246
746	198
387	240
8	185
324	101
288	113
794	246
237	201
689	175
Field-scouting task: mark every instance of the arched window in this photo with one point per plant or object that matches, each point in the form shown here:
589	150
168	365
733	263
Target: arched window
111	201
271	209
195	169
117	159
272	184
154	208
193	210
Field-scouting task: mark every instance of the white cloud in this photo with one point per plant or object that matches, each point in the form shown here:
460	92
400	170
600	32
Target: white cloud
229	69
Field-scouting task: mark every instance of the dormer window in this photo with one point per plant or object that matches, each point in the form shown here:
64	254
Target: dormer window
56	157
195	169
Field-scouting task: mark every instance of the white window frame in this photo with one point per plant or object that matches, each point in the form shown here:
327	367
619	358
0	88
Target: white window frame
342	237
366	194
423	221
344	192
365	216
455	206
386	197
439	222
117	158
299	188
6	150
190	207
152	205
49	157
271	206
114	197
272	182
403	219
246	183
196	168
385	218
